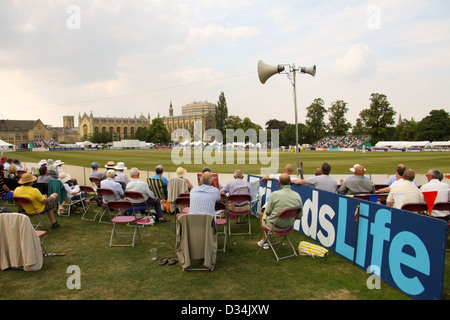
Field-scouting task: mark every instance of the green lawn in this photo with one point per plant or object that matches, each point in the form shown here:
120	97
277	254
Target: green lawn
375	162
129	273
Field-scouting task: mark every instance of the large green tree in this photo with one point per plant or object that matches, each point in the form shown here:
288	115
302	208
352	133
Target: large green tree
338	124
315	124
157	132
434	127
378	118
221	114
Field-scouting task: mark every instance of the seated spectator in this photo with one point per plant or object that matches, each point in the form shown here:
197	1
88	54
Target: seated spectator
237	186
176	185
409	192
6	165
214	183
12	178
58	166
18	164
42	203
358	184
159	175
352	169
203	198
109	165
120	174
288	169
138	185
5	191
52	169
434	178
318	172
394	177
95	173
44	175
110	183
73	192
322	182
278	201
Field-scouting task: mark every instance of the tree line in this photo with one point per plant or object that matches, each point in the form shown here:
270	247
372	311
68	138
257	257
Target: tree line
378	121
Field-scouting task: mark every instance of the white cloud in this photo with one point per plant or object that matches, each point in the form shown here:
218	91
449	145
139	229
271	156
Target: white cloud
359	61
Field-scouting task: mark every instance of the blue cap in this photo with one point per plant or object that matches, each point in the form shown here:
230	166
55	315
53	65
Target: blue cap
94	164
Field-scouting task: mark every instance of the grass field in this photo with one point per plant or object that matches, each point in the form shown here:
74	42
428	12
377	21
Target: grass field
240	274
375	162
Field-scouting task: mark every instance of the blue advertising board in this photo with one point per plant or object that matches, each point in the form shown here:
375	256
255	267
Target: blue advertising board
406	250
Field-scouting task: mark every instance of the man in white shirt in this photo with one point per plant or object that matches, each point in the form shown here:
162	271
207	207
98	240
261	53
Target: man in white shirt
434	184
140	186
404	192
121	177
288	169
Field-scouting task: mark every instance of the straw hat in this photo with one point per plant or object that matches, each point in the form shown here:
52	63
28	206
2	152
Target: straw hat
58	163
354	167
110	165
180	172
64	177
26	178
120	166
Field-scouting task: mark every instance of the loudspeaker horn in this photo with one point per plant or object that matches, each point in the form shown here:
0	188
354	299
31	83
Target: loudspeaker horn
265	71
309	70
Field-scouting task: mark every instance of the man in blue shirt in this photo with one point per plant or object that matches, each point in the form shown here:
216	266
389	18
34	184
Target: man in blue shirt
203	198
158	175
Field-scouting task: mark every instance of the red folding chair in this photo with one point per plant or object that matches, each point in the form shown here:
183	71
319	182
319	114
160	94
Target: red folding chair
415	207
288	213
88	190
104	208
236	198
221	208
182	202
125	205
95	182
41	235
139	197
21	201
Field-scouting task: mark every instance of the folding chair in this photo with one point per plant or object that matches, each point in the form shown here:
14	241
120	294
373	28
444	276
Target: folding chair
182	202
240	198
88	190
221	208
139	197
416	207
41	235
70	202
21	201
122	205
215	182
254	188
287	213
157	188
95	182
196	239
104	208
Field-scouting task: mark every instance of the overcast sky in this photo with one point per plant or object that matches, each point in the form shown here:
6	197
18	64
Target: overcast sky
126	57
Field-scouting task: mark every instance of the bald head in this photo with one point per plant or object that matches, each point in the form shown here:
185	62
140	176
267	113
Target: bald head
289	169
359	170
284	179
207	178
